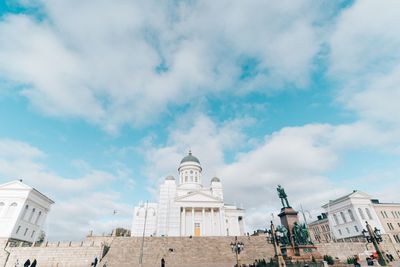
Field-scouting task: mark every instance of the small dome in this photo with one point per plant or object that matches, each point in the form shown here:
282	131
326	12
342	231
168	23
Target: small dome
170	177
190	157
215	179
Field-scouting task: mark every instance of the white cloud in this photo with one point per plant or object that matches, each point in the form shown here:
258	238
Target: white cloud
82	203
364	57
125	62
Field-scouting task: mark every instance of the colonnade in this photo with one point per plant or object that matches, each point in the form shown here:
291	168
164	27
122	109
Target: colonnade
211	221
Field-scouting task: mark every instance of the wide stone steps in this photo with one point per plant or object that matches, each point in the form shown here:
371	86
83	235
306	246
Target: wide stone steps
184	251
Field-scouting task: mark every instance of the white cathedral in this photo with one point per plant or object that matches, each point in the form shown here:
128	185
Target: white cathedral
188	208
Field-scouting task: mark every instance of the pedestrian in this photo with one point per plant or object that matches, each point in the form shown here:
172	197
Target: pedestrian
356	261
27	263
34	262
94	263
162	262
16	263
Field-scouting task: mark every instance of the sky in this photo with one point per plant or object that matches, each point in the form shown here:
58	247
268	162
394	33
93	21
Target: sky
100	100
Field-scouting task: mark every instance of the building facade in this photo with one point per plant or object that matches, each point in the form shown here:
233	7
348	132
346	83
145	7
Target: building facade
344	219
389	216
187	208
320	231
23	211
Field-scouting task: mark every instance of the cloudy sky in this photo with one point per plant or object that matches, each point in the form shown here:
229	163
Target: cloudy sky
100	100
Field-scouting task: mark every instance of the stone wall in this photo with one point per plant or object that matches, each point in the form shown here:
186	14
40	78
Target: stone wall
54	254
343	250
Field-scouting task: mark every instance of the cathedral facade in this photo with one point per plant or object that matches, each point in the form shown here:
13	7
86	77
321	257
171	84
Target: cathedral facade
187	208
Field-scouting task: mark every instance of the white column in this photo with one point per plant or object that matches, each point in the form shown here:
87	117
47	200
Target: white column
212	221
203	222
184	221
192	222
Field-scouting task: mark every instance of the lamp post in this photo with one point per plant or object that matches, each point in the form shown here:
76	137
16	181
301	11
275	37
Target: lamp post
375	237
237	247
274	237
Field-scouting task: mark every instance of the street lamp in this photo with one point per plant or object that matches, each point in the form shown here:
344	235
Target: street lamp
275	237
237	247
375	237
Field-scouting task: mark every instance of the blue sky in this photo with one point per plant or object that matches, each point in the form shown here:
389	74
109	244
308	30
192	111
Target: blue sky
99	102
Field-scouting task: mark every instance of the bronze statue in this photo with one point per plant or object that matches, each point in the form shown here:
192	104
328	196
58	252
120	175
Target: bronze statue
283	196
284	235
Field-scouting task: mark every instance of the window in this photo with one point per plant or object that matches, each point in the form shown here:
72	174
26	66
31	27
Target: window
33	232
340	232
26	231
19	228
356	228
327	228
336	219
25	213
385	214
343	217
347	229
368	213
351	215
31	216
361	213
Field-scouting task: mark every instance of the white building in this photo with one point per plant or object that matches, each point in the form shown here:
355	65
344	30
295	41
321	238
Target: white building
187	208
347	215
23	211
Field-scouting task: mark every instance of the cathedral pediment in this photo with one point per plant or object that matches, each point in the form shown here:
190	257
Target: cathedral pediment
198	196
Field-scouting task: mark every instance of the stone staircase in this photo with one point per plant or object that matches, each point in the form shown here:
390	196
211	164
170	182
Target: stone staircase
184	251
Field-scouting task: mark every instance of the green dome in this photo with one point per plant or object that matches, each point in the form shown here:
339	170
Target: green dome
215	179
191	158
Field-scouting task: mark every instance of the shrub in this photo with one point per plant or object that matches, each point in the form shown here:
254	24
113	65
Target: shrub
329	259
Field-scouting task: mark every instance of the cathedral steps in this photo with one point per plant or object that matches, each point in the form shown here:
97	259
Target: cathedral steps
184	251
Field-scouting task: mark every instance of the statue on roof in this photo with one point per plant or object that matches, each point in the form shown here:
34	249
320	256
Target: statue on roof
282	195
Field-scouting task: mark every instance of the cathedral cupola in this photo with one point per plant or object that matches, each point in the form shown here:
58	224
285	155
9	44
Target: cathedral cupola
190	172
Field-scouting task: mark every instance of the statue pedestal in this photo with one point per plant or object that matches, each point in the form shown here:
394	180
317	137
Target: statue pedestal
288	217
301	252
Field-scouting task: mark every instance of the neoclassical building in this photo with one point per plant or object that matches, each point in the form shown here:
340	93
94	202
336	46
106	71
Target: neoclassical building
23	211
187	208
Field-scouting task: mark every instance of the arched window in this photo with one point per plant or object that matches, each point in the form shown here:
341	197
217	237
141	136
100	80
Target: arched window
11	209
24	214
343	217
336	219
368	213
351	215
31	216
361	213
37	221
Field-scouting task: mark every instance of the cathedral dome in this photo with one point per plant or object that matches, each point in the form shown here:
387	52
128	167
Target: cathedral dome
189	158
215	179
170	177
